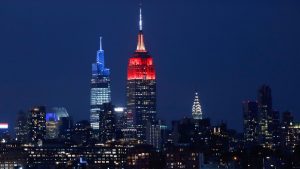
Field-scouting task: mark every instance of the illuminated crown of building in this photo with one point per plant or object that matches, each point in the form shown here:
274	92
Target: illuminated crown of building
196	109
141	65
141	45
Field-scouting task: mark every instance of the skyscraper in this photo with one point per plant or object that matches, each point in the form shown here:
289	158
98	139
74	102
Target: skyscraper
52	126
21	127
37	129
107	123
265	115
54	121
100	89
287	133
153	134
196	109
141	86
250	113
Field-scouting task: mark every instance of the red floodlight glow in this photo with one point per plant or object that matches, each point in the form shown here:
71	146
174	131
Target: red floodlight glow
141	68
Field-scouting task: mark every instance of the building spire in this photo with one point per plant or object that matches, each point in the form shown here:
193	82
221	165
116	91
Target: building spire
100	53
100	44
140	45
141	19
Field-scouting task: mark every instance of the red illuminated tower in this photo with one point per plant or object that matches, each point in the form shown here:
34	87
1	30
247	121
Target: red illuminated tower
141	87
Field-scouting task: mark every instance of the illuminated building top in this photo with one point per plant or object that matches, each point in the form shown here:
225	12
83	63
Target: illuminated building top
99	68
141	65
196	109
141	45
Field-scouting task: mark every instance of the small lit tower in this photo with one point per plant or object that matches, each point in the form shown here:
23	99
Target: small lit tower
196	109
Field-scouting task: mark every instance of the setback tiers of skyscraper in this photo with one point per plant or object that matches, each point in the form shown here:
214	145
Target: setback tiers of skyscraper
100	89
196	108
141	87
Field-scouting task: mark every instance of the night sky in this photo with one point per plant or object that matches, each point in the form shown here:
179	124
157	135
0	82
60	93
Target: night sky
223	49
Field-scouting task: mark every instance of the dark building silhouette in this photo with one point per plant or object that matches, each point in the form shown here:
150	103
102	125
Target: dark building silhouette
275	129
21	127
265	116
251	121
65	129
107	123
183	131
181	156
218	143
287	135
82	133
154	134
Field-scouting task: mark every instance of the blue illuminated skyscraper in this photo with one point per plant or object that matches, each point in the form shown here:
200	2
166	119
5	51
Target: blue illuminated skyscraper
100	89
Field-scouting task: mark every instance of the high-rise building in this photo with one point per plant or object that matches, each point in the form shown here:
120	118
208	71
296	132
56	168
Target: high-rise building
82	133
141	86
37	124
107	123
54	121
250	113
100	89
121	117
287	135
275	129
196	109
65	128
265	115
294	136
21	127
52	126
153	134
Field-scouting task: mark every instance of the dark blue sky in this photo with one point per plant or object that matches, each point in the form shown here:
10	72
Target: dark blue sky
223	49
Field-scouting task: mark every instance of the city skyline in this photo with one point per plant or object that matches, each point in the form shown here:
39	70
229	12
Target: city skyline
210	84
145	117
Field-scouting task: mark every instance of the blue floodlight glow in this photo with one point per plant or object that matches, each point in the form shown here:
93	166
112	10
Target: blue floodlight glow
51	117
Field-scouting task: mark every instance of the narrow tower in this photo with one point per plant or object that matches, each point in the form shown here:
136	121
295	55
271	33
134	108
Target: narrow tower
100	89
37	125
265	115
141	86
196	108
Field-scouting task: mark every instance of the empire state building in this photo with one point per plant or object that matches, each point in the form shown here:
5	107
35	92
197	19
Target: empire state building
141	86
